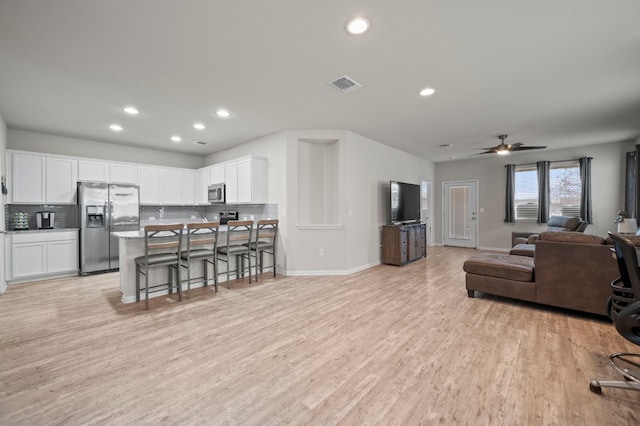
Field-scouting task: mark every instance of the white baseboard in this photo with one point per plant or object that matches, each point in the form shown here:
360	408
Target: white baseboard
3	287
333	271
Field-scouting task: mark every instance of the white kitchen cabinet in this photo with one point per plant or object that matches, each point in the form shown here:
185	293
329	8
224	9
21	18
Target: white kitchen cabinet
61	181
231	177
27	173
93	170
188	187
202	186
123	173
28	259
62	256
171	186
217	173
149	182
40	255
246	181
39	179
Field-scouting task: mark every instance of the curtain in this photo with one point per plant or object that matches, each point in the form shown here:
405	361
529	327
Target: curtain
636	214
585	182
630	185
543	191
510	212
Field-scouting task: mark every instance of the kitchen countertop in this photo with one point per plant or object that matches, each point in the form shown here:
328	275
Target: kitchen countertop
134	235
33	231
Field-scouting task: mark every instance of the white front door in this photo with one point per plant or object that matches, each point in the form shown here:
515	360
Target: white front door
460	224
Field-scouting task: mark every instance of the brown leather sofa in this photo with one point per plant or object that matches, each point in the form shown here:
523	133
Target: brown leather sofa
554	224
569	270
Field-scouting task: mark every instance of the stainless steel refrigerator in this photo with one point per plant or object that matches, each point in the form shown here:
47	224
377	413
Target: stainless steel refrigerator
103	209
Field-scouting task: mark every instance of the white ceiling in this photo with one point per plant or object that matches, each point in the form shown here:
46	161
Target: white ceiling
546	72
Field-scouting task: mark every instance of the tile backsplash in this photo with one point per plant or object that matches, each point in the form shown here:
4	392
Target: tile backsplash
67	216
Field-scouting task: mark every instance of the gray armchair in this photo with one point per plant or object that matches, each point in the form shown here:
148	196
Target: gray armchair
555	224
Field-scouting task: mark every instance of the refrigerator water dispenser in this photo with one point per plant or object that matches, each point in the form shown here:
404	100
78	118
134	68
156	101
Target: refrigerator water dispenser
95	216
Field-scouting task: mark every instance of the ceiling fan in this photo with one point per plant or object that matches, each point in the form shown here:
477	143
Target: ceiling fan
504	149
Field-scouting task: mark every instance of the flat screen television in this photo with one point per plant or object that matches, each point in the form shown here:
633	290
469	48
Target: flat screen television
405	202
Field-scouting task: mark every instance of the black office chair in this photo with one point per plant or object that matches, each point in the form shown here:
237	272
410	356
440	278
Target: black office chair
624	309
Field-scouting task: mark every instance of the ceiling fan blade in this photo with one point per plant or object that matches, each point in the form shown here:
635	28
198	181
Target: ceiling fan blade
515	145
524	148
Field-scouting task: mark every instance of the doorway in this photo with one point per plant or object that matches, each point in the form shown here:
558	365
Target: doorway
460	224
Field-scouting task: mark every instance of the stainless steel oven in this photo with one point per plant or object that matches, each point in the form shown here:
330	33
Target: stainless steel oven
217	193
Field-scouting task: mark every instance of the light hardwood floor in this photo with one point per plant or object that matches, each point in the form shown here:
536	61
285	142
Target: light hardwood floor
388	345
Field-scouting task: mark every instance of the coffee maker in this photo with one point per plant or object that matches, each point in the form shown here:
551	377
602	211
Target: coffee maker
45	220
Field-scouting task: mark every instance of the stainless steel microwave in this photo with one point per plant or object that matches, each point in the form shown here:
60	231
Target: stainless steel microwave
217	193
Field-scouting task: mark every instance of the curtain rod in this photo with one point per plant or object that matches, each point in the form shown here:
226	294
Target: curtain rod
557	161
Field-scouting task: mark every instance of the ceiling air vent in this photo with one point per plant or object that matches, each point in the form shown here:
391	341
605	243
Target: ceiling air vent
345	84
202	143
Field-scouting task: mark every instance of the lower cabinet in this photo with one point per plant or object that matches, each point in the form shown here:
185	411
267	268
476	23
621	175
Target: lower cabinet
38	255
402	244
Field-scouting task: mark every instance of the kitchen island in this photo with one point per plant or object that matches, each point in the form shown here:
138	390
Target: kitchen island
131	245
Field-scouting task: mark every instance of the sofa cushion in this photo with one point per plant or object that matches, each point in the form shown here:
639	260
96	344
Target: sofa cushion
516	268
635	239
563	223
523	250
571	237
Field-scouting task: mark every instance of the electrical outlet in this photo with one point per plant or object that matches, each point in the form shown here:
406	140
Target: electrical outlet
321	252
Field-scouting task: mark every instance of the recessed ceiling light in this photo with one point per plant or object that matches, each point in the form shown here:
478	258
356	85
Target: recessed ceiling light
223	113
131	110
358	25
116	127
427	91
198	126
176	138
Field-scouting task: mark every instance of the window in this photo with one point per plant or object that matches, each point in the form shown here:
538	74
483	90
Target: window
564	196
526	197
565	189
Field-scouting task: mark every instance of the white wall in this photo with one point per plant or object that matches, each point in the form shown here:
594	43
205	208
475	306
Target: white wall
608	180
40	142
365	169
274	149
3	200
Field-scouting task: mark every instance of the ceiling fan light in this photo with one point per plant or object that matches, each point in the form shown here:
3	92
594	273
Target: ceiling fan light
502	151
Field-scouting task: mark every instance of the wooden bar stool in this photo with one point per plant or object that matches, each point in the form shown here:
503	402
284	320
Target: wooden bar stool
238	238
161	248
200	235
265	242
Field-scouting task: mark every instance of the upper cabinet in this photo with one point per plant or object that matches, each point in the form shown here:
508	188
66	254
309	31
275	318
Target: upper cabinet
171	186
107	171
166	186
149	181
123	173
93	170
188	187
27	173
217	174
246	181
38	179
61	181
